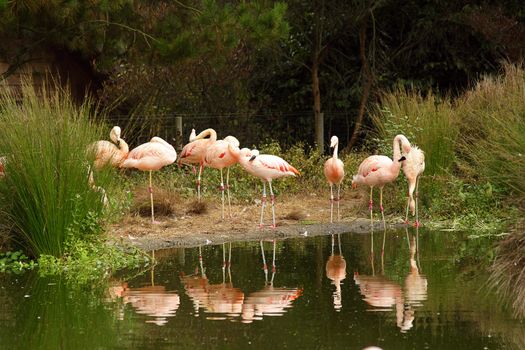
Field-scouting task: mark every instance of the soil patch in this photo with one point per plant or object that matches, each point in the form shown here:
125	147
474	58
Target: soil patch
297	216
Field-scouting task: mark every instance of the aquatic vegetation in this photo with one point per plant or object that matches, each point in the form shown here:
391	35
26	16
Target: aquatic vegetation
15	262
44	136
93	259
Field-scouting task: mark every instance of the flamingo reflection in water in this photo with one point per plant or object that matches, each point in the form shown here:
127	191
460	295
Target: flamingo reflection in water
384	294
152	300
269	301
220	301
336	271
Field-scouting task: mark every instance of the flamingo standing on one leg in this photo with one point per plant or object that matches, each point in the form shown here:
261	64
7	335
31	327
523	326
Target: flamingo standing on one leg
334	172
195	152
218	156
380	170
266	167
413	167
151	156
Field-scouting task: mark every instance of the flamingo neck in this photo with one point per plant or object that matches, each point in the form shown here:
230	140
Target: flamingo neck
396	164
208	132
123	146
336	147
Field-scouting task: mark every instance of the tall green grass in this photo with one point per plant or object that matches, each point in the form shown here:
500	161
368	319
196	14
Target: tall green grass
493	129
428	121
44	136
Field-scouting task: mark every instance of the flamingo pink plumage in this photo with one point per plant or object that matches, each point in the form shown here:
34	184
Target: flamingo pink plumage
113	153
2	166
195	152
334	172
151	156
380	170
266	167
218	156
413	167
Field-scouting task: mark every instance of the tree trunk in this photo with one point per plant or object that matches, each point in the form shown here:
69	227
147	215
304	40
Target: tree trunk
319	118
367	85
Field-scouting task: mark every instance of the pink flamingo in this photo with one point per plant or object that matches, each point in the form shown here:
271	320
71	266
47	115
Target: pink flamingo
413	167
334	172
380	170
151	156
218	156
113	153
195	152
266	167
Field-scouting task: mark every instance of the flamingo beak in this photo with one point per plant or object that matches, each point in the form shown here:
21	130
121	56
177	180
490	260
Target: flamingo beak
402	159
252	158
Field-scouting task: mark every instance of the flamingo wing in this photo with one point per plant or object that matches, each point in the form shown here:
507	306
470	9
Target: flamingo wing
274	164
373	164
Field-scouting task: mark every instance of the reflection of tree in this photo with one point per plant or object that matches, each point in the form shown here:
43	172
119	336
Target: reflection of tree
270	300
336	271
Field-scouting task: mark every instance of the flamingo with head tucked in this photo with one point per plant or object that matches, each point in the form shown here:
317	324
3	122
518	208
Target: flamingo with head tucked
266	167
380	170
218	156
334	172
195	152
151	156
113	153
413	167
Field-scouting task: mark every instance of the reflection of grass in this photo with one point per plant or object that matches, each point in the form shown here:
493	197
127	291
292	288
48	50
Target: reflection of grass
508	271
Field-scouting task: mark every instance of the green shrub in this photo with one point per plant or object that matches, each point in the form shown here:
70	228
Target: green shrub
44	136
427	121
493	130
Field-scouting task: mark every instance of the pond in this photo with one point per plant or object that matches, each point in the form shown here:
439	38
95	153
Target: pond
324	292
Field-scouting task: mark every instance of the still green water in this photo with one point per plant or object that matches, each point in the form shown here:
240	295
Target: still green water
324	293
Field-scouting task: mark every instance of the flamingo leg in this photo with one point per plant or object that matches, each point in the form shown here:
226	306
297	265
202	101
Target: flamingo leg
333	242
338	199
228	192
331	204
370	205
201	166
223	263
200	261
150	189
272	199
339	243
222	195
263	204
230	261
408	204
417	223
273	262
381	207
265	267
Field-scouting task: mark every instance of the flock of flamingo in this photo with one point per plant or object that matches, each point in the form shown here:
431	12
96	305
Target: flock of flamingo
205	150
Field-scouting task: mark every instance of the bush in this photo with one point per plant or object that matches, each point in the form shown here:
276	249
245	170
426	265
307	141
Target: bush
427	121
44	136
493	130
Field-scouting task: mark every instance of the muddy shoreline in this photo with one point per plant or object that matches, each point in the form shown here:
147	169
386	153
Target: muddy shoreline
176	240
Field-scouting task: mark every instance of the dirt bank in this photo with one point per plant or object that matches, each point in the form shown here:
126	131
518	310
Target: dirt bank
303	216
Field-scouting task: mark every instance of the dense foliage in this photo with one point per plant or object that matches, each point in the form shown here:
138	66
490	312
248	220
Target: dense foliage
265	63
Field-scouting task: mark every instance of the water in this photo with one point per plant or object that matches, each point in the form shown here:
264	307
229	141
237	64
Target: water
324	293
